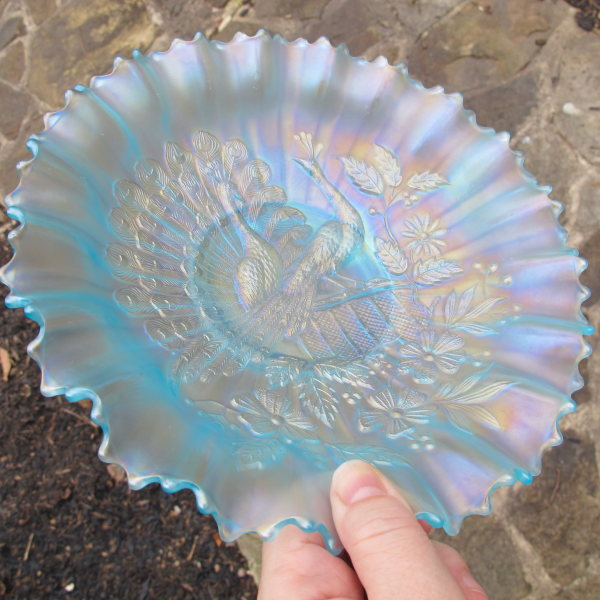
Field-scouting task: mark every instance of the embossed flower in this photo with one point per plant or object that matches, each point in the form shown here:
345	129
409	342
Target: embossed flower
424	360
425	235
397	415
267	413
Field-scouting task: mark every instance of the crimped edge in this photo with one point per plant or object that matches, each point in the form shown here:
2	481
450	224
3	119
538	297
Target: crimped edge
171	485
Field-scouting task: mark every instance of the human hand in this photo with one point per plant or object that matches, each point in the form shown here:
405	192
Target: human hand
391	553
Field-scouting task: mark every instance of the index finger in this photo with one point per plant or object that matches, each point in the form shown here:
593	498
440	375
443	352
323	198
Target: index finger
390	551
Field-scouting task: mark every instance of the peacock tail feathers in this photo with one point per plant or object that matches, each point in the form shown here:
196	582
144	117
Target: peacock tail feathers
178	249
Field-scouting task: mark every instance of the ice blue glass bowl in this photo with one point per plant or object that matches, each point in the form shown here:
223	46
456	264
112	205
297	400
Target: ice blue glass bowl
262	259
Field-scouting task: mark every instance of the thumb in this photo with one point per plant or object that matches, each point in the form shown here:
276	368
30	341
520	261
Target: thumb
392	555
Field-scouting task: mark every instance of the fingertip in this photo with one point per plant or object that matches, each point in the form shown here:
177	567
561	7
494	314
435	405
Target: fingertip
356	480
380	531
471	589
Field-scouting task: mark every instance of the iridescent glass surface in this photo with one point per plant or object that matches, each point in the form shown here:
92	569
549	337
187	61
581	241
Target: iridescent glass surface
262	259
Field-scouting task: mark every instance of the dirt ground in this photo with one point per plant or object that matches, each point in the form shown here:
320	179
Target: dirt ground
61	509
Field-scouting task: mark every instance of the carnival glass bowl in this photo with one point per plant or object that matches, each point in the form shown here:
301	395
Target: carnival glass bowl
262	259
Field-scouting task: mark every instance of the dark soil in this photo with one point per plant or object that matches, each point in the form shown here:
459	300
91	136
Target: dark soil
589	15
69	529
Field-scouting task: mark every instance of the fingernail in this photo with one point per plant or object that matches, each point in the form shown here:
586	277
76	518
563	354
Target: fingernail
427	528
355	480
469	583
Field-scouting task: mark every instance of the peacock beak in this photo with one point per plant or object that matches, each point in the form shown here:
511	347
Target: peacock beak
301	162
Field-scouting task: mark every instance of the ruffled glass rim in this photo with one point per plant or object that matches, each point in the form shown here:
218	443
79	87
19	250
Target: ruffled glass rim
170	485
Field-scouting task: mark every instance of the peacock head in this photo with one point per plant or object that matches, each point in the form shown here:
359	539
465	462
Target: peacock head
310	165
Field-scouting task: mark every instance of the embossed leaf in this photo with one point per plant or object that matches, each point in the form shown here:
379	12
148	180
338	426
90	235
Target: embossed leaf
344	372
476	329
442	393
283	370
462	402
465	301
464	415
426	181
365	177
458	315
389	166
318	397
487	392
435	270
456	307
482	308
371	454
465	393
256	454
450	306
391	256
278	376
465	385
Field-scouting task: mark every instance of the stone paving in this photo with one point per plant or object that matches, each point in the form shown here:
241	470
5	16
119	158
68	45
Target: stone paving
523	66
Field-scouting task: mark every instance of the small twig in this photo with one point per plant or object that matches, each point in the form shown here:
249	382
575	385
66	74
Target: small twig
188	588
386	219
82	44
85	52
6	363
554	492
191	554
26	555
229	11
80	417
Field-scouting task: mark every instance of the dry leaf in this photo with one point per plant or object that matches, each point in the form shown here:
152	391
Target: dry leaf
117	473
86	404
218	540
6	364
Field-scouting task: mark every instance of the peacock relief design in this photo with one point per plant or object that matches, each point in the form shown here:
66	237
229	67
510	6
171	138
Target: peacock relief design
225	270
